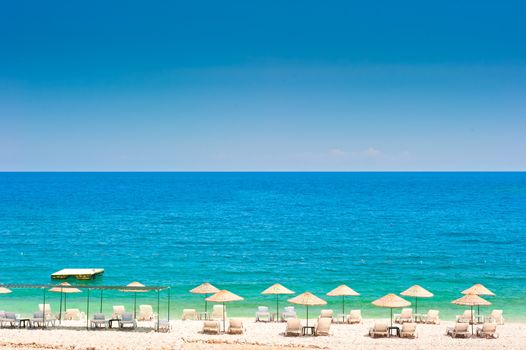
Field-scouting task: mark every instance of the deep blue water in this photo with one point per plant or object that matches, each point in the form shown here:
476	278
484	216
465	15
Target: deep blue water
376	232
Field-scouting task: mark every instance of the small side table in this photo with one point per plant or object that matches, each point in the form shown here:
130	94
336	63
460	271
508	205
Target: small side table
110	322
203	316
308	330
274	317
23	322
394	328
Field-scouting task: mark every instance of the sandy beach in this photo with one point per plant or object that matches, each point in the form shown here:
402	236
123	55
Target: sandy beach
261	336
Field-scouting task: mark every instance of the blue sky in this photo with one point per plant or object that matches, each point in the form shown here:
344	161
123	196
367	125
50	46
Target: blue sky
262	85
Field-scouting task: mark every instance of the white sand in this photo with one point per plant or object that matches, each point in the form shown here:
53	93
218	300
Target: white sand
186	335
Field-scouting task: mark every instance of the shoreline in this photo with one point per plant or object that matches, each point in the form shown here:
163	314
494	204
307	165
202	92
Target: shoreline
186	335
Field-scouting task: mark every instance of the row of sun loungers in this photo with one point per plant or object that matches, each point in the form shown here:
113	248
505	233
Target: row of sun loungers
45	318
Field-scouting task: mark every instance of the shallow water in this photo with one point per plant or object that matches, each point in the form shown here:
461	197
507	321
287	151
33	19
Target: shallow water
376	232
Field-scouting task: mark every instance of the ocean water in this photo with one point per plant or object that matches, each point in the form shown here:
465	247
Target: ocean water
377	232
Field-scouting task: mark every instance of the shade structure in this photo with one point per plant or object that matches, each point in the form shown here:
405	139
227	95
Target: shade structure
4	290
471	300
307	299
391	301
478	289
134	291
343	291
223	296
205	288
277	290
416	292
63	291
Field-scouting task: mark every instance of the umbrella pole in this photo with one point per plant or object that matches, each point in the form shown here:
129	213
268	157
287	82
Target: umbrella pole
471	320
135	305
391	317
343	308
65	302
307	315
206	305
224	327
416	305
60	308
101	301
277	307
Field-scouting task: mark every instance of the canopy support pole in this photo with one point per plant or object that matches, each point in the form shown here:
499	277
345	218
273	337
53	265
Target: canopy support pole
100	310
60	308
87	311
44	310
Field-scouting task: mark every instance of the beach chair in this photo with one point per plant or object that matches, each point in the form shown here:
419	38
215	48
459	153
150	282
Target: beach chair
8	318
99	321
74	315
379	330
405	316
235	326
488	331
432	317
146	313
217	312
262	315
189	314
289	312
466	317
355	316
326	314
408	330
459	331
118	310
49	314
127	320
323	326
38	320
293	327
496	317
211	327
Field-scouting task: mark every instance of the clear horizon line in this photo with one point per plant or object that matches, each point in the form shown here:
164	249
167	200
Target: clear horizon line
262	171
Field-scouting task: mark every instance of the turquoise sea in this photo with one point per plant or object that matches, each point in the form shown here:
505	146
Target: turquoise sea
376	232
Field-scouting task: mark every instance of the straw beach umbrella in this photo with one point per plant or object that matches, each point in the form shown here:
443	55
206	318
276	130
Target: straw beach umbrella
134	291
206	289
343	291
307	299
391	301
471	300
223	296
60	289
478	289
277	289
417	292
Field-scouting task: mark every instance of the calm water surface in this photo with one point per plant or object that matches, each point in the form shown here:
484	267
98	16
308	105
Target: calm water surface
377	232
